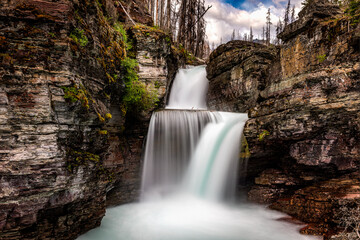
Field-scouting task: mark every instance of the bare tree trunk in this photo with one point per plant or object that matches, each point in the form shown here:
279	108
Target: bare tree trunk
152	10
161	15
168	15
156	13
182	13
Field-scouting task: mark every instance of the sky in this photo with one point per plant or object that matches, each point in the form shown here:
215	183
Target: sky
226	15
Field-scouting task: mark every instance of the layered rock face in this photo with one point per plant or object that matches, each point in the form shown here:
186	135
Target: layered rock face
236	72
66	141
304	113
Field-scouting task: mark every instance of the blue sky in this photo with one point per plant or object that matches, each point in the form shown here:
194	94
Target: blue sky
225	16
247	5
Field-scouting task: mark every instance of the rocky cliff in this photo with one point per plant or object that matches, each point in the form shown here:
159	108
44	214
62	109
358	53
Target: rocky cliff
71	134
303	102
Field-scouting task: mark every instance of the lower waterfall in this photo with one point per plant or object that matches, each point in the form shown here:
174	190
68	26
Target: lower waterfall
189	176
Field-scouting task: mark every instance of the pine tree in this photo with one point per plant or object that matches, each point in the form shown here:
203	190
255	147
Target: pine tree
293	14
245	37
278	31
287	12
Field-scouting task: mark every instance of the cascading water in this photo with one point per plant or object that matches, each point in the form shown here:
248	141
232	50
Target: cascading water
189	170
171	140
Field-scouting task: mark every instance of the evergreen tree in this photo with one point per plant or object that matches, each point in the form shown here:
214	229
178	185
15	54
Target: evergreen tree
245	37
293	14
287	12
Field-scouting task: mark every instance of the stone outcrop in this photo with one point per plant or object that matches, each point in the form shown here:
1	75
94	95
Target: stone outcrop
236	71
303	132
68	147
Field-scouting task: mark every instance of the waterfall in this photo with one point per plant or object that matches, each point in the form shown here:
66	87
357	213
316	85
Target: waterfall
171	141
213	167
190	167
189	89
176	158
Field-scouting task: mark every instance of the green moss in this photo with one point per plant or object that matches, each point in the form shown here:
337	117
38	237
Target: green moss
103	132
157	84
76	93
321	58
101	118
137	97
77	158
81	158
245	152
263	134
79	37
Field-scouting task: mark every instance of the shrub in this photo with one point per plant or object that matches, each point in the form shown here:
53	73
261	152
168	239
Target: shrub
121	30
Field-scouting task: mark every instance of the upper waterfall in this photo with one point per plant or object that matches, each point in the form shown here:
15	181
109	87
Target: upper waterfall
189	89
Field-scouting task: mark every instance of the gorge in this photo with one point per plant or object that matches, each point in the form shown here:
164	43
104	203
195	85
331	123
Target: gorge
190	167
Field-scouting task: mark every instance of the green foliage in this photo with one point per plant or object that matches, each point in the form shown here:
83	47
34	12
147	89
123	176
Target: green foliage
121	30
354	11
75	93
79	37
262	135
137	97
321	58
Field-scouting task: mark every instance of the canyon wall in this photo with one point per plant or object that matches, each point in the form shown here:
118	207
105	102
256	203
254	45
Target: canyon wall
303	102
69	145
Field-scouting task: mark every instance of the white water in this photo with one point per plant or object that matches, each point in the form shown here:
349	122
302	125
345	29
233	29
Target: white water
171	141
189	89
188	173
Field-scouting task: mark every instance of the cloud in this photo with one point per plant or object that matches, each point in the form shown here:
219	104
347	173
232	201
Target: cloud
223	18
